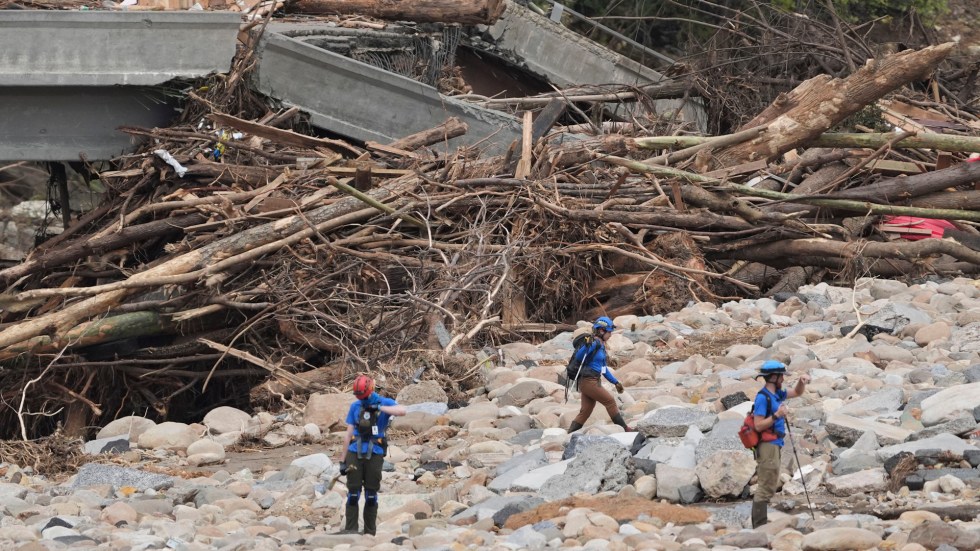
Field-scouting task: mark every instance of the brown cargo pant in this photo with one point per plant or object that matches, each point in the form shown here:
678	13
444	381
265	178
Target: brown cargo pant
592	392
767	456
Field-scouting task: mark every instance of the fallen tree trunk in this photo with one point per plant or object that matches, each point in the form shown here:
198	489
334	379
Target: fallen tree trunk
466	12
666	90
965	200
803	251
855	205
796	118
112	328
287	137
943	142
344	211
907	187
100	245
451	128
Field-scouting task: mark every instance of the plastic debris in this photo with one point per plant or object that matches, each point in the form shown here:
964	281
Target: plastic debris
169	159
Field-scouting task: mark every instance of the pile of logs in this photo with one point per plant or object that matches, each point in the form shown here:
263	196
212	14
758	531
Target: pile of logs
238	261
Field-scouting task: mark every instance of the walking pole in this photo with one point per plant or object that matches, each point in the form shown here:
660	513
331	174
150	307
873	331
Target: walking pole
800	467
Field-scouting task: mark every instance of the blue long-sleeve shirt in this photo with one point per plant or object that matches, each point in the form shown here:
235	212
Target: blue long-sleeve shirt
597	363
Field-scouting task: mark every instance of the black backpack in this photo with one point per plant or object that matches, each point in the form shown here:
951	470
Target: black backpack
574	368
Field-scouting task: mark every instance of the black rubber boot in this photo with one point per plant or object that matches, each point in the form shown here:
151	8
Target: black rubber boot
574	427
351	515
759	515
370	518
618	419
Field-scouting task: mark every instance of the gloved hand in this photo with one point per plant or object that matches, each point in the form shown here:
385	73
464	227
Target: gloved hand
619	388
343	469
371	403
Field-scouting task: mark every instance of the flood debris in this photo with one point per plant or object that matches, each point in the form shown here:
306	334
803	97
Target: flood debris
236	250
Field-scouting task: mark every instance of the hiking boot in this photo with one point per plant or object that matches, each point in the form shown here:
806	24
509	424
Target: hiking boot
574	427
618	419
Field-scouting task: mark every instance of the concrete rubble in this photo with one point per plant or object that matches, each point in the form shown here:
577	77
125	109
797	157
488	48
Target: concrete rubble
888	448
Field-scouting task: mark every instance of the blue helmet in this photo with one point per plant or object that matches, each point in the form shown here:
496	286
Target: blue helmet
603	323
772	367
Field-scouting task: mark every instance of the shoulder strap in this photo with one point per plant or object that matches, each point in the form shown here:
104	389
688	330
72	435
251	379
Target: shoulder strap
591	353
768	396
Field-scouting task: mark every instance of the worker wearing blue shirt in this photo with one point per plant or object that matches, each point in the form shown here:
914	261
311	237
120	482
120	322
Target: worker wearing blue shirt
365	446
593	359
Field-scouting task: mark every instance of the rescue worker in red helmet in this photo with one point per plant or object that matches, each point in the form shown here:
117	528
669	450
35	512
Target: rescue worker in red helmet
364	448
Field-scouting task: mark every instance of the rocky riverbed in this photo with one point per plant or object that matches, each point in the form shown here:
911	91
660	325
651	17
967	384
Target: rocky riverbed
886	437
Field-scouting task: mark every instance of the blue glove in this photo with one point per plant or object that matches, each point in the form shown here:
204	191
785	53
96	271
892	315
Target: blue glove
372	402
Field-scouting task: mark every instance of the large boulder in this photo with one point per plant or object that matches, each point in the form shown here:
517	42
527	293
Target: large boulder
419	393
226	419
328	411
678	484
480	410
674	421
867	481
932	534
605	466
169	435
946	403
840	537
725	473
132	426
522	393
846	430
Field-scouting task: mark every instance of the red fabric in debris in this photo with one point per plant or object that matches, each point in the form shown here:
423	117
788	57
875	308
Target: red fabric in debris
937	227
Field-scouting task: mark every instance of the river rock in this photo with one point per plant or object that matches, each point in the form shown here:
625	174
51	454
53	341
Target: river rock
838	538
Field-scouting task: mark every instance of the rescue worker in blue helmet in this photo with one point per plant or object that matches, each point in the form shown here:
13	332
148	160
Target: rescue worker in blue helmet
594	358
770	413
364	448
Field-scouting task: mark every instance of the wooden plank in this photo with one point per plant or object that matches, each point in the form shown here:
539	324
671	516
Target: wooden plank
121	173
894	168
286	137
375	171
362	176
944	160
524	163
904	229
547	118
375	146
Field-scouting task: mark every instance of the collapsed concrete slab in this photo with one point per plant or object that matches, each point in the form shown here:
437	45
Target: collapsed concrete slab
70	79
348	97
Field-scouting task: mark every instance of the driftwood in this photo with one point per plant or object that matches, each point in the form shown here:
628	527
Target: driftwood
821	102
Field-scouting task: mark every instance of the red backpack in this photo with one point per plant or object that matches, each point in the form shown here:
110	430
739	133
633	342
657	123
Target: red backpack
748	434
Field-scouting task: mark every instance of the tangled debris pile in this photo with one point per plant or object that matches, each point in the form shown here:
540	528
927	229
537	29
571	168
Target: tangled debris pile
237	250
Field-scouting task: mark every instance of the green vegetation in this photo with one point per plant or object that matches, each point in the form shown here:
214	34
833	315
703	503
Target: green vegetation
659	23
870	117
859	11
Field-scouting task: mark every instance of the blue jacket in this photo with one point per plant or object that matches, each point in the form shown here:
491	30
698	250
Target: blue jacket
597	364
354	413
762	407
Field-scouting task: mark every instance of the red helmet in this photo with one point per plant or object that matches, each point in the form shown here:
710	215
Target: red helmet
363	386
